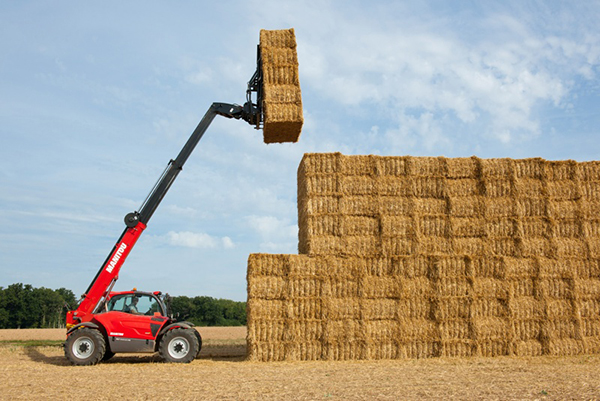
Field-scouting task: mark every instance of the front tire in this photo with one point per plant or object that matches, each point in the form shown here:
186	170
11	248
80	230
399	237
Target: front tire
199	341
179	346
85	347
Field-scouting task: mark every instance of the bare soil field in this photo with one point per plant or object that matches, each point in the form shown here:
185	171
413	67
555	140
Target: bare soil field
222	373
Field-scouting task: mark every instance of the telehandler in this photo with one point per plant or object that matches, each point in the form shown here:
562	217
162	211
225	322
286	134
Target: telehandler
105	322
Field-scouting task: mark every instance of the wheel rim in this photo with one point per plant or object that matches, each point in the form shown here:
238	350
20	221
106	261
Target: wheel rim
83	347
178	347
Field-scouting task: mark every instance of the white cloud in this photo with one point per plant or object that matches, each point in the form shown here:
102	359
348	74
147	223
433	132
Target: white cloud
198	240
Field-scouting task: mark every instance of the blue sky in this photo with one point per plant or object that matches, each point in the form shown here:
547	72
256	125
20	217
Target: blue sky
96	98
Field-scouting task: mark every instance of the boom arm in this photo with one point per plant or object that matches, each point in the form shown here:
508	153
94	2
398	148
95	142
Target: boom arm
136	221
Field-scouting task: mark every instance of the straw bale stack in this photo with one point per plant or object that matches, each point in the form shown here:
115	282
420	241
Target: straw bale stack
407	257
282	101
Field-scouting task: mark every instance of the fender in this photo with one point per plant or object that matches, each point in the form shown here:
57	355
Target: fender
185	325
84	324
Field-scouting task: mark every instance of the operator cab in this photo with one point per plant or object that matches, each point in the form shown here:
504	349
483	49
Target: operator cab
136	302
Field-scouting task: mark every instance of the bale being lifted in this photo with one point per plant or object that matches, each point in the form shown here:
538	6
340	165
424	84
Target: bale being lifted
281	97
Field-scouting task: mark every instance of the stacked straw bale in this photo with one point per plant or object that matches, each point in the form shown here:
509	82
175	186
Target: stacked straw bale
282	100
412	257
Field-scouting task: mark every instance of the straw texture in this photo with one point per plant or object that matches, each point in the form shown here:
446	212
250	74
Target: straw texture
406	257
282	101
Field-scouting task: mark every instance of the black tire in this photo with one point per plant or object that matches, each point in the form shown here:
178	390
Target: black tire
107	355
199	342
179	345
85	346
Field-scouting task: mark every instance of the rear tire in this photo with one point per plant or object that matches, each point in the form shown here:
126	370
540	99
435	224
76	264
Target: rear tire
179	346
85	347
199	342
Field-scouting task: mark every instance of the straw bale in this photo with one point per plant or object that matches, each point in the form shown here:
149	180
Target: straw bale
565	347
319	163
491	328
342	308
380	309
555	288
266	287
490	287
452	286
589	308
492	348
520	268
466	207
396	246
282	102
321	184
463	167
393	186
458	348
428	166
434	245
417	307
304	308
430	206
488	307
344	330
590	189
323	205
447	308
588	289
358	165
416	287
589	171
409	266
358	185
502	207
396	206
360	225
449	266
523	287
562	170
498	187
569	228
534	227
359	205
590	327
496	167
468	227
559	329
504	246
455	329
429	187
563	190
383	349
528	348
526	330
531	247
345	350
391	165
530	187
571	247
526	308
493	267
530	168
380	287
418	329
382	330
501	226
470	246
420	349
564	209
463	187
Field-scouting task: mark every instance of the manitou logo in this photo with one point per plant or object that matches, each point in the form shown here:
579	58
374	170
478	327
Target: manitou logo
115	259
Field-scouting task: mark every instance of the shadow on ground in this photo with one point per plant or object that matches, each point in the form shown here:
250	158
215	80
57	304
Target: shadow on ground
232	353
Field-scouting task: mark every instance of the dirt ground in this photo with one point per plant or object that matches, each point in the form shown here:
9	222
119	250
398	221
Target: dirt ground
222	374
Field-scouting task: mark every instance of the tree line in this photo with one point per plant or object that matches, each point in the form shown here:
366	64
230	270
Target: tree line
24	306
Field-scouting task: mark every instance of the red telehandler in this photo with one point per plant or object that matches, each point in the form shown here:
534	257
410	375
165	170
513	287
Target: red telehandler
106	322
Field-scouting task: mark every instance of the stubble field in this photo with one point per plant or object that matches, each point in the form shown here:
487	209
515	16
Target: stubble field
29	372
